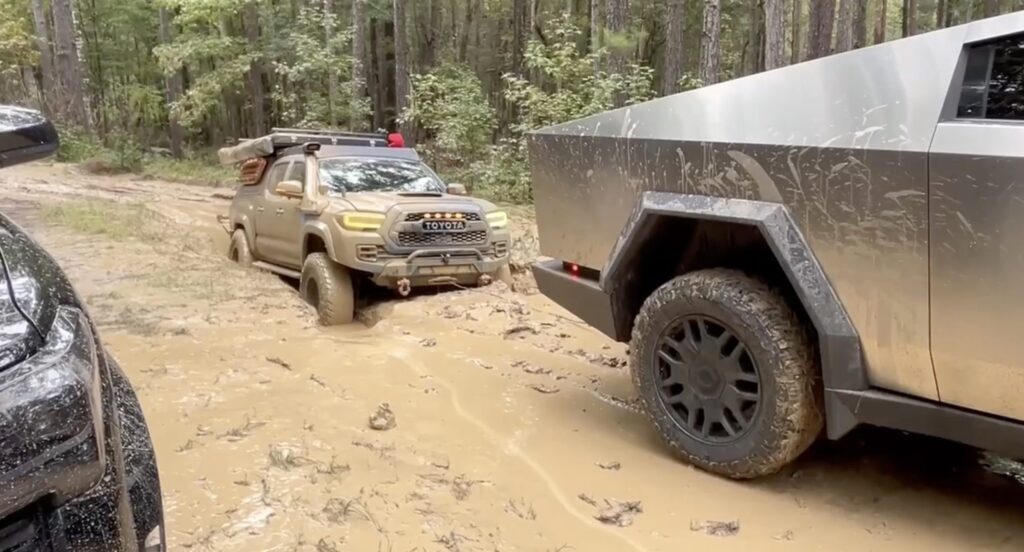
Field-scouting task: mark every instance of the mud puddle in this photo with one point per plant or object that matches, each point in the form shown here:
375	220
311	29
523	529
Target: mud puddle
514	426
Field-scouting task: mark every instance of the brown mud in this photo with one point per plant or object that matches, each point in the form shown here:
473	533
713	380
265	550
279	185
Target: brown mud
510	425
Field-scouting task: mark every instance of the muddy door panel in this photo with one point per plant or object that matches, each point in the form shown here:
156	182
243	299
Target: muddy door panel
267	246
977	265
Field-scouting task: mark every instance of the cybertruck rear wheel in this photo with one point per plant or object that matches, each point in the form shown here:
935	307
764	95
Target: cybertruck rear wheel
328	286
238	250
727	373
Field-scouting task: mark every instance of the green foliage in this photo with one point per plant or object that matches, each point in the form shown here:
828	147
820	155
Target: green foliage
450	106
199	171
17	47
77	146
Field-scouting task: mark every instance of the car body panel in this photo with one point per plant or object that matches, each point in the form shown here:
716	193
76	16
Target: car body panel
842	142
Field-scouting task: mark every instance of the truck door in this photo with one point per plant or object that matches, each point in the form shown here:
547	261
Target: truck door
285	219
264	220
976	213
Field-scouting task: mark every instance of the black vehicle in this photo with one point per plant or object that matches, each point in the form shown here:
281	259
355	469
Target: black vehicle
77	467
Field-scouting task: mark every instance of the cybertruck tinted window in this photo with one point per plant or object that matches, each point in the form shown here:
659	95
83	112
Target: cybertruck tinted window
994	80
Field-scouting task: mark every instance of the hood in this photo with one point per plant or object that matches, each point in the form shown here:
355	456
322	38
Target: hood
382	201
32	287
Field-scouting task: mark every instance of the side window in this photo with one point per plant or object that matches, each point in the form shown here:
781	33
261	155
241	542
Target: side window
994	81
276	174
297	171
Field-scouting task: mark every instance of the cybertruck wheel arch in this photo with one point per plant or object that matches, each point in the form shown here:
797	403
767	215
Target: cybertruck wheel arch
841	359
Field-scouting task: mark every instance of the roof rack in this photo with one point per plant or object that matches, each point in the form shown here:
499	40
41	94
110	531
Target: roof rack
283	138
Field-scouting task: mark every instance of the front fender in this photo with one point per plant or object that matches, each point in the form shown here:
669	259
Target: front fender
319	229
841	358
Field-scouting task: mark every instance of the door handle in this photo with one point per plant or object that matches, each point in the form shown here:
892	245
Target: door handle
279	211
259	209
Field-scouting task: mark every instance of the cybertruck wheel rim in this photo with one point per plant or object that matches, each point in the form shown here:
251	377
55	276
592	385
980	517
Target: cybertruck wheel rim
707	379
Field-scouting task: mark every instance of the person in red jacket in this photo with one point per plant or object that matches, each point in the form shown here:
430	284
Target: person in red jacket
395	140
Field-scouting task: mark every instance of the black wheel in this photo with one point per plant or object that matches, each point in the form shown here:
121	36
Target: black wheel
727	373
239	251
328	286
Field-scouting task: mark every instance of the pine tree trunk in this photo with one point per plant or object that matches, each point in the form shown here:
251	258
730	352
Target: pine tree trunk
361	63
381	81
596	25
795	46
172	87
673	62
860	24
991	8
881	22
819	38
710	41
617	23
332	76
251	23
774	34
401	61
68	64
467	26
844	26
520	19
754	51
909	17
48	76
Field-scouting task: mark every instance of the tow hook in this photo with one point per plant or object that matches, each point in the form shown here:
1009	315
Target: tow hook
404	287
484	280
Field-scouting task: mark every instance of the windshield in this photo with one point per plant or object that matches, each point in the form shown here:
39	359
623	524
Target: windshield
341	175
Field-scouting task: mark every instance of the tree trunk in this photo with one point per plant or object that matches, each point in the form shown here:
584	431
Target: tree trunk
467	25
673	64
596	25
520	19
881	22
617	23
361	65
68	63
381	80
909	17
401	61
822	18
774	34
332	76
251	22
48	76
172	87
844	26
711	30
860	24
795	47
991	8
754	52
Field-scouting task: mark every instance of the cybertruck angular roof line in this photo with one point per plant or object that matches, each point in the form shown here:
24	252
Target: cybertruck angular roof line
884	97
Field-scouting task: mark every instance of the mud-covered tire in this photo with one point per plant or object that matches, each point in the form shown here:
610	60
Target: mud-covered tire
238	250
328	286
788	416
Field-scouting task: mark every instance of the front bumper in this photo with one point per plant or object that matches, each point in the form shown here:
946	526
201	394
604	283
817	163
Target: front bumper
436	267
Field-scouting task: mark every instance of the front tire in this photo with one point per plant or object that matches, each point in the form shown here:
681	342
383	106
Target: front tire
238	250
727	372
328	286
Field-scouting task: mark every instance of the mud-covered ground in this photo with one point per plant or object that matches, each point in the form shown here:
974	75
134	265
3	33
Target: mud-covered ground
514	426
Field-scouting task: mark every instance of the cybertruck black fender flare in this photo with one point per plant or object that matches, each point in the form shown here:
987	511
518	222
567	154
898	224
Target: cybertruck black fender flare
842	361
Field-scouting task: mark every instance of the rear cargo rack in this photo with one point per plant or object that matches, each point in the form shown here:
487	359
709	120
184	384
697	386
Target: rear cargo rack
284	138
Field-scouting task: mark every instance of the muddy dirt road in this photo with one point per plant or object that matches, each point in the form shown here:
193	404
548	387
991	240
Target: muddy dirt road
514	426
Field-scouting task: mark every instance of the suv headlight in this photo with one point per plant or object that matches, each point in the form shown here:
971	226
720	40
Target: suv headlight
362	222
497	219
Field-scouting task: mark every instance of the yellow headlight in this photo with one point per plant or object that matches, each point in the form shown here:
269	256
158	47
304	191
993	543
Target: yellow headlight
362	222
497	219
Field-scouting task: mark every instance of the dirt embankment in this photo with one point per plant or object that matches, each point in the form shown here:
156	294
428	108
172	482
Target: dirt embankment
471	420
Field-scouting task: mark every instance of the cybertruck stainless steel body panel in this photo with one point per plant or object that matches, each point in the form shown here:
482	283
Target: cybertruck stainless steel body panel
843	142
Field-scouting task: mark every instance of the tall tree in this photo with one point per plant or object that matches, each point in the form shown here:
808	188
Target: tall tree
401	59
844	26
360	60
881	22
754	51
774	34
991	8
909	17
710	43
69	64
819	37
596	24
860	24
47	72
941	9
617	23
173	87
329	22
251	23
520	21
673	63
795	48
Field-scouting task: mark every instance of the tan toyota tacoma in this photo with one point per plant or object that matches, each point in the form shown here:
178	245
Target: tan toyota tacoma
339	210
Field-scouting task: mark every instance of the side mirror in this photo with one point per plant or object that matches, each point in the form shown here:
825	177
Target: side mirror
289	188
457	189
25	135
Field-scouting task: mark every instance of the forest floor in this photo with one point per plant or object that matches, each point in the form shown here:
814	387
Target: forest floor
516	426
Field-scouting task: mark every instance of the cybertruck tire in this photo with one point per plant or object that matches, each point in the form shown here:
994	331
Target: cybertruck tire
727	372
238	250
328	286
